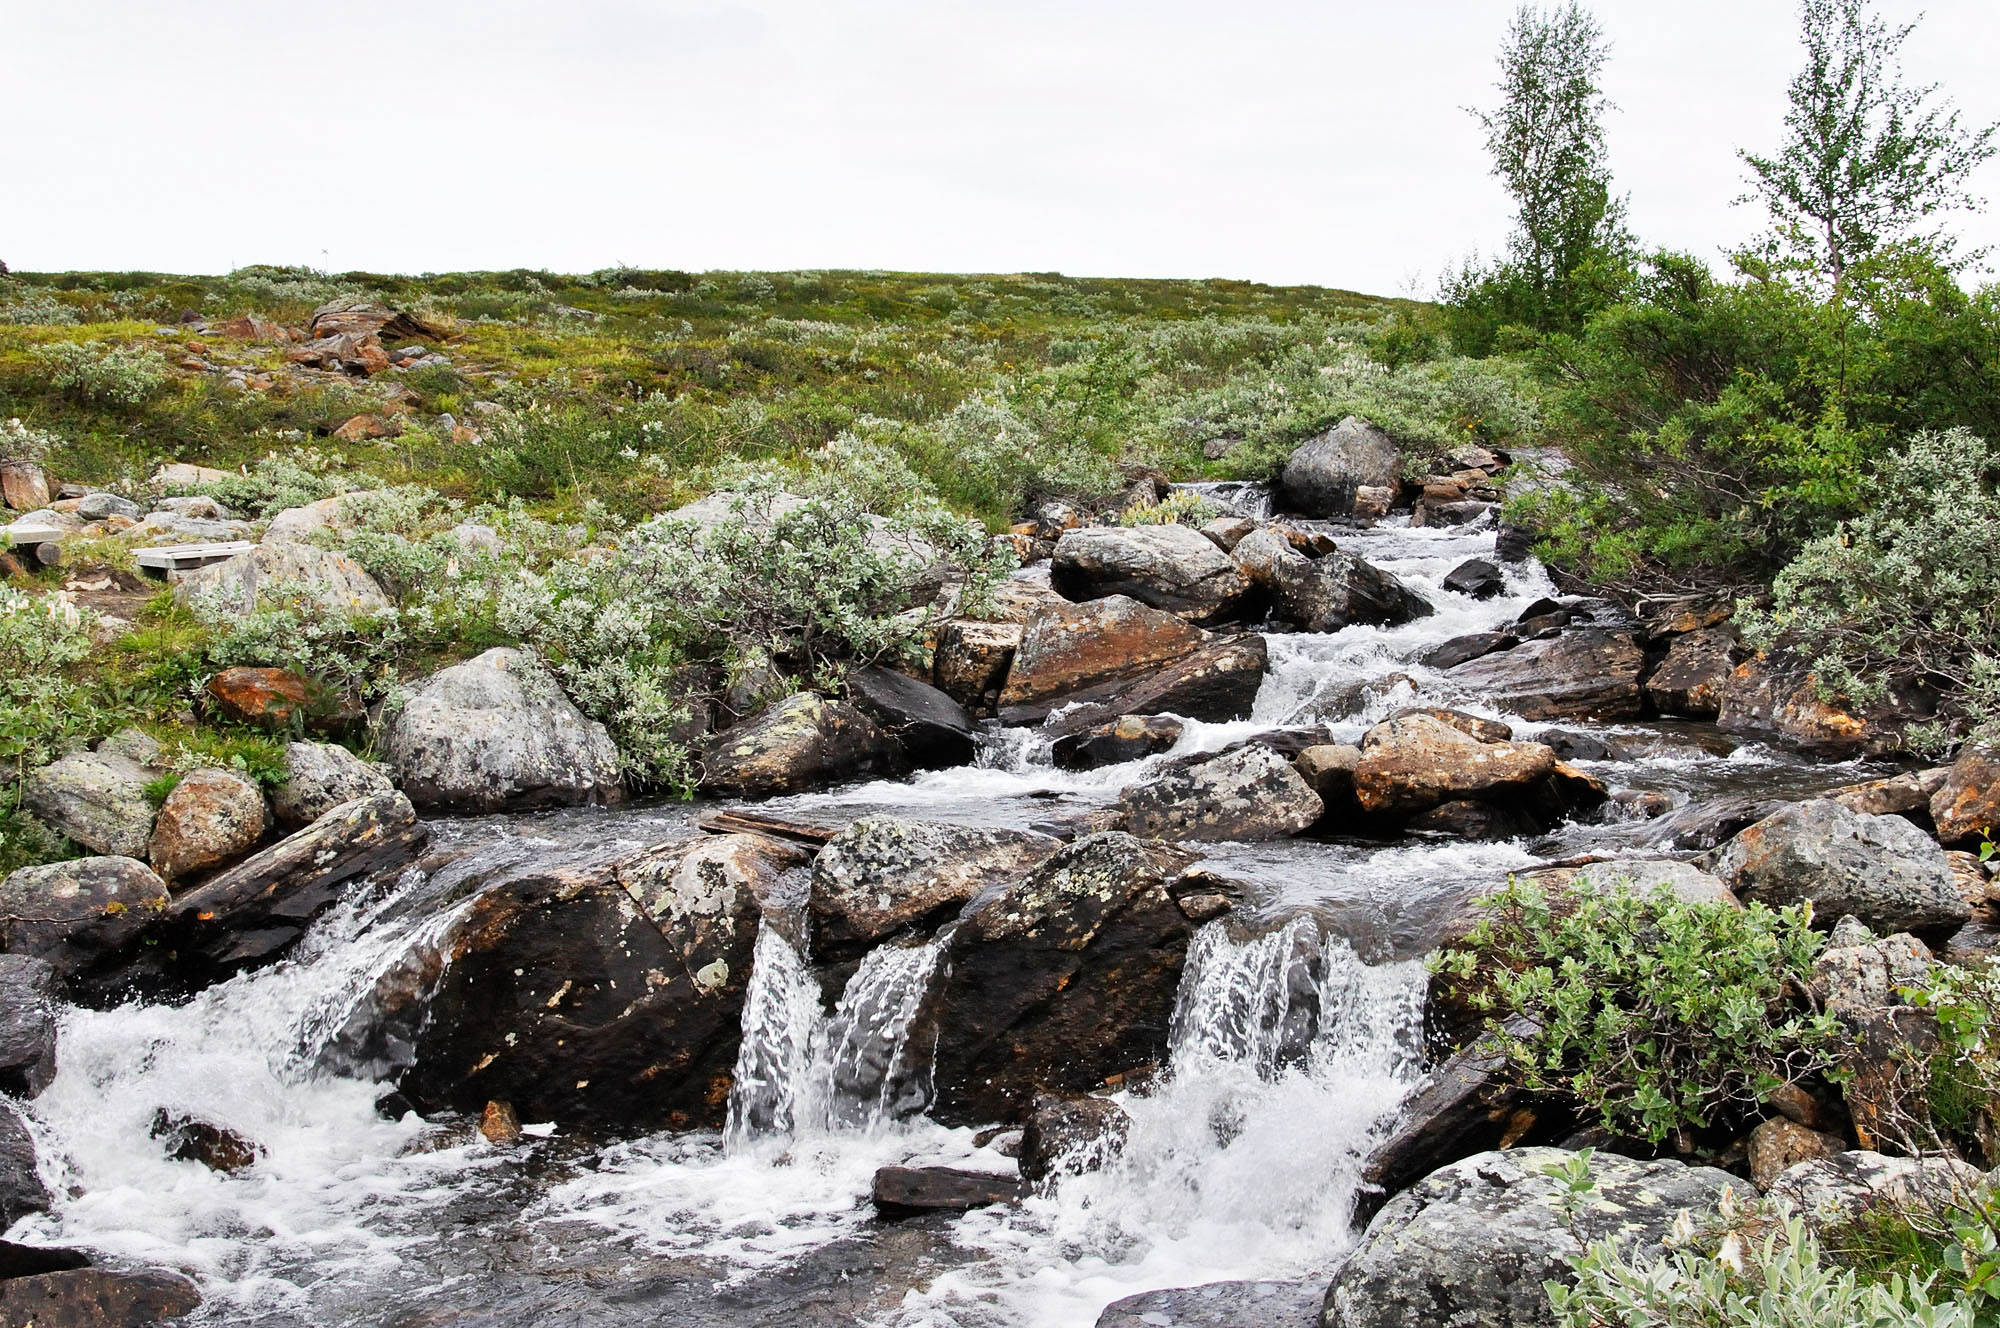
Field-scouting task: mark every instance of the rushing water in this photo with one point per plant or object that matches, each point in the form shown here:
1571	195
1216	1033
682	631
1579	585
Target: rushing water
1294	1038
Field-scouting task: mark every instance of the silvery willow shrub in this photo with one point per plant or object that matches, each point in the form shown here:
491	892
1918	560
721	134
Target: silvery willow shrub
1658	1014
1179	508
20	442
1786	1283
101	372
1907	591
45	704
291	478
26	306
346	654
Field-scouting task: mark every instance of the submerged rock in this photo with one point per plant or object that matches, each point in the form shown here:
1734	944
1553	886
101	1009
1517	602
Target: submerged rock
1251	792
1068	1136
802	742
884	873
1219	1305
1126	738
1590	674
192	1139
1170	567
1883	870
497	732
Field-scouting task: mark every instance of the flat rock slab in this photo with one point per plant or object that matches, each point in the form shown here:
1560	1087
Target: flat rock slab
902	1191
97	1298
1220	1305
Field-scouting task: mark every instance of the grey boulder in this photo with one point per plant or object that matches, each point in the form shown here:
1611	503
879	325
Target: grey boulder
27	1024
1250	792
1881	869
323	775
1170	567
885	873
1323	473
82	916
99	798
285	570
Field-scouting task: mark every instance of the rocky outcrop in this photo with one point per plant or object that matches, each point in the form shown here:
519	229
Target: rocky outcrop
1418	761
802	742
496	732
85	916
99	798
1967	806
1250	792
28	994
211	817
603	992
1328	592
252	912
97	1298
1170	567
1590	674
1474	1242
285	572
319	777
1059	981
933	730
1322	474
1126	738
884	873
1691	679
1760	696
1883	870
1072	652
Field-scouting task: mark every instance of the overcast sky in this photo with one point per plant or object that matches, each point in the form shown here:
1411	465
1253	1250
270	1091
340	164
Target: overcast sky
1284	142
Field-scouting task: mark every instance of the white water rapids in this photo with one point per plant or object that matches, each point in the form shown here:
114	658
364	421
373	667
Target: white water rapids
1293	1041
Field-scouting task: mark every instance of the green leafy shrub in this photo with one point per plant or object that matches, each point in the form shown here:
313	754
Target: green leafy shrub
100	372
46	703
1658	1014
290	478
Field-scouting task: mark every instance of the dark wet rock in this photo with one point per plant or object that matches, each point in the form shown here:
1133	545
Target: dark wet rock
885	873
17	1260
1127	738
1056	983
1170	567
1437	512
933	730
1322	474
601	992
1219	1305
1761	696
1418	761
97	1298
1587	674
192	1139
1577	746
85	916
1691	679
1464	649
211	817
497	732
1967	804
322	776
1883	870
1329	592
21	1188
901	1191
1474	1242
98	798
1216	683
1514	544
28	995
1682	615
802	742
1466	818
1251	792
1475	577
251	913
1068	1136
1087	652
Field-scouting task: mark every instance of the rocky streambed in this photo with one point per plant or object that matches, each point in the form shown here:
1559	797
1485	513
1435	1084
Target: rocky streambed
1127	1005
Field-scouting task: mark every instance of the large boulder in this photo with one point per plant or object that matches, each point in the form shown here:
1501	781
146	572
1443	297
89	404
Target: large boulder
97	1298
600	993
1413	763
1591	674
802	742
284	571
1967	806
497	732
1086	652
1883	870
332	515
85	916
28	995
1328	592
933	730
1323	473
21	1188
1250	792
1059	981
252	912
1216	684
885	873
1474	1242
210	817
1171	567
319	777
99	798
1690	680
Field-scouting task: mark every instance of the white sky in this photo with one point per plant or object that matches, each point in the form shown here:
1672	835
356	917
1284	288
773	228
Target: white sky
1285	142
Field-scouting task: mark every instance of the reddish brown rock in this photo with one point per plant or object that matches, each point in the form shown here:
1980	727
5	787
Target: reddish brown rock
1691	678
25	485
972	658
1416	762
1778	1145
269	698
361	427
1080	651
96	1298
1967	806
1761	697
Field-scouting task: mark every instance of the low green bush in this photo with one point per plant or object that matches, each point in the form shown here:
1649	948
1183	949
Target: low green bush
97	371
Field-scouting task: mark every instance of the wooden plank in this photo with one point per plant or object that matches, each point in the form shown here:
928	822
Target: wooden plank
22	537
742	821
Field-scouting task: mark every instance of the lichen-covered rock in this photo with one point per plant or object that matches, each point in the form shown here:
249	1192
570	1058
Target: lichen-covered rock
1474	1242
1218	1305
284	571
972	658
1591	674
1072	652
1418	761
1323	473
319	777
1849	1185
98	798
1967	805
1689	681
28	994
210	817
1059	981
1761	696
1328	592
885	873
1868	974
1249	793
802	742
1883	870
1170	567
83	916
497	732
